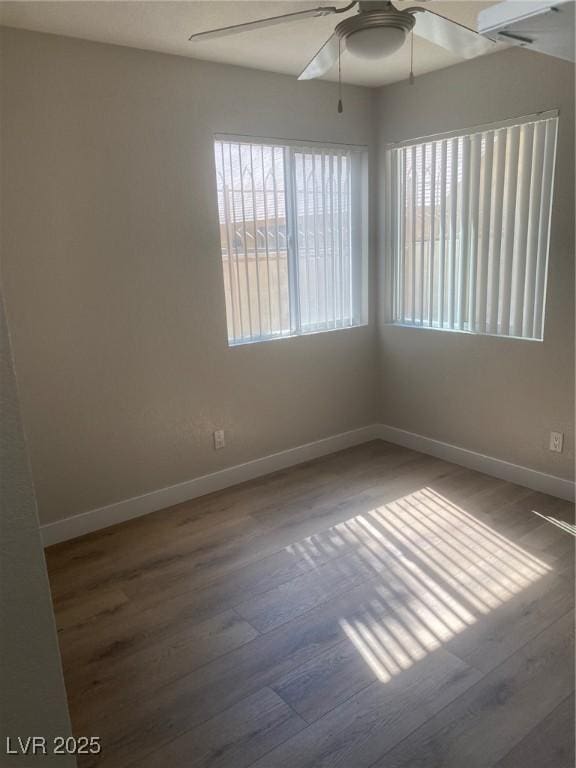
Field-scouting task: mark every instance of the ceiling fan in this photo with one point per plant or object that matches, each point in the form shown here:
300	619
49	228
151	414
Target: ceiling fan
377	30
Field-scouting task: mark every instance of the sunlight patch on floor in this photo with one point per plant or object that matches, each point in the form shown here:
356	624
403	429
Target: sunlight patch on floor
435	569
567	527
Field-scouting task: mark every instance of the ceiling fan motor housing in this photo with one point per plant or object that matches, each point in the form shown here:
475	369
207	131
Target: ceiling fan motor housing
375	33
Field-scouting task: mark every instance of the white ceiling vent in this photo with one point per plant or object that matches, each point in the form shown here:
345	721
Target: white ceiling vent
546	26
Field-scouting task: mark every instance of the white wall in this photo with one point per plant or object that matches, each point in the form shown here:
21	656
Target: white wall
497	396
113	274
32	696
114	287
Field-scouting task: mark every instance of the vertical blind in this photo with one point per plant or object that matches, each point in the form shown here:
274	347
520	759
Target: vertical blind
469	223
292	239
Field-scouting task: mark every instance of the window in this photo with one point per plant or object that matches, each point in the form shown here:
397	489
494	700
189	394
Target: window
293	229
468	227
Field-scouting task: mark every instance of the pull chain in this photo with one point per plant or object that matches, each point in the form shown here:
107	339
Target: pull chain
411	76
340	106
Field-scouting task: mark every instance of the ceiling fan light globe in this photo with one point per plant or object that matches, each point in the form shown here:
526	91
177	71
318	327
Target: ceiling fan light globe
375	42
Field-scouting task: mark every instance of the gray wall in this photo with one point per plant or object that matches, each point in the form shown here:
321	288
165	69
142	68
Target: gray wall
113	274
500	397
114	288
32	695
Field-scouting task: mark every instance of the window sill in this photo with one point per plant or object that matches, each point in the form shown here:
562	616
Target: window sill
415	326
288	336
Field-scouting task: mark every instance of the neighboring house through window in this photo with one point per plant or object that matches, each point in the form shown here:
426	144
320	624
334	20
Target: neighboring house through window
293	231
468	226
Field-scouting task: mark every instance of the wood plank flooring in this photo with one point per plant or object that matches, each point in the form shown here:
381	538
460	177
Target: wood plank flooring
376	608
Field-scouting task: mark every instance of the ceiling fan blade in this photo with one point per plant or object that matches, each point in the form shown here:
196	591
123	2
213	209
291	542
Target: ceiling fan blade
455	37
323	61
325	10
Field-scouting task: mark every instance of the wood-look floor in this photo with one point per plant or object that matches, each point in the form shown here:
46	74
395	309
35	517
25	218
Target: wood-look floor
374	608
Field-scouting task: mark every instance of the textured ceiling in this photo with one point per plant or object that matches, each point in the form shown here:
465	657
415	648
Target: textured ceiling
165	26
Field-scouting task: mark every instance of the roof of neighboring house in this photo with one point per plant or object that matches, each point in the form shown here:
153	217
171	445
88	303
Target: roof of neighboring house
254	176
260	205
263	205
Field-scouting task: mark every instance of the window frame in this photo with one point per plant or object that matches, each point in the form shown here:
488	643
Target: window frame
392	211
359	227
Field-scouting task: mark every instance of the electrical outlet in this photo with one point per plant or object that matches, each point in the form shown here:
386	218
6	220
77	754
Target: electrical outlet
219	439
556	441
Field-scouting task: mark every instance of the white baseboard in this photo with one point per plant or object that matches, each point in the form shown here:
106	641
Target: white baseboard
95	519
531	478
